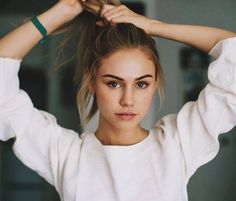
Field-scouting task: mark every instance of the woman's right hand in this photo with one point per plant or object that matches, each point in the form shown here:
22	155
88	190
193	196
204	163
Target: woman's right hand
20	41
73	7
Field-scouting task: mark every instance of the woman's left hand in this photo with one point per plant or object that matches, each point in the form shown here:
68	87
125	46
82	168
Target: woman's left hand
122	14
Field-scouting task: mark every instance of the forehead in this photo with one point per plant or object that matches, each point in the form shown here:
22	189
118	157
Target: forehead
127	63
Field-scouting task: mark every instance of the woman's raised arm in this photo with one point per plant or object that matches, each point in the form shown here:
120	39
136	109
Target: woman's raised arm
200	37
20	41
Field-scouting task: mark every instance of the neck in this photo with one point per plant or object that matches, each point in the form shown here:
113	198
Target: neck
110	135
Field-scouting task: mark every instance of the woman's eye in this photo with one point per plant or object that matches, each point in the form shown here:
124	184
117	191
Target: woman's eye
142	85
113	84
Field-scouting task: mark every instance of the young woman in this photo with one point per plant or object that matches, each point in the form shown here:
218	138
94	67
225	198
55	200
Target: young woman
119	67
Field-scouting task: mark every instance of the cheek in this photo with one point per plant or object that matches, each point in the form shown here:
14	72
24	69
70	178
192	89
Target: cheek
105	99
144	99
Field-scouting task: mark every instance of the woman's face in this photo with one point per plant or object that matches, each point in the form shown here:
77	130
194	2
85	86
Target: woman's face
124	87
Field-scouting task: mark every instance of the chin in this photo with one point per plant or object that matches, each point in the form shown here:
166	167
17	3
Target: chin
125	126
121	124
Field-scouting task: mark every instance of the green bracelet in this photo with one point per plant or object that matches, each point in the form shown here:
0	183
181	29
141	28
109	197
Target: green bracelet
41	29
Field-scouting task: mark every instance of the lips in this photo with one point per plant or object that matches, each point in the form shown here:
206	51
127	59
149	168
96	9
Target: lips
126	115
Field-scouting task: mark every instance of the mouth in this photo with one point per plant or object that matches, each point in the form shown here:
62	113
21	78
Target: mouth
126	115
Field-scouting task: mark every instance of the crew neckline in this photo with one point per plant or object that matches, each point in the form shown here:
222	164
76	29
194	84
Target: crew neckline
132	146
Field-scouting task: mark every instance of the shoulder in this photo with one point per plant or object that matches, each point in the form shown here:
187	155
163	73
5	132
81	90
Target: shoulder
166	127
166	123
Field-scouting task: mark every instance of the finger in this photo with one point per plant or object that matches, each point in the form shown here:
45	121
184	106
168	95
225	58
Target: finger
120	19
115	15
105	8
109	9
115	10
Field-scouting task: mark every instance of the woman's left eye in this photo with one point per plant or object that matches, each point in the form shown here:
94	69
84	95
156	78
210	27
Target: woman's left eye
142	85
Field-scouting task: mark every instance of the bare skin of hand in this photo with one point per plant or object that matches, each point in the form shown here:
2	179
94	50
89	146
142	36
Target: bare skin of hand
74	6
122	14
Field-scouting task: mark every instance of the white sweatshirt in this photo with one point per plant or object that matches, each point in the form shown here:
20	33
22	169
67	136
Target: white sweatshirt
156	169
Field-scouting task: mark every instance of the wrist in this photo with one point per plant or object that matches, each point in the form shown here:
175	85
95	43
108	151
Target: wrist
69	10
58	15
153	27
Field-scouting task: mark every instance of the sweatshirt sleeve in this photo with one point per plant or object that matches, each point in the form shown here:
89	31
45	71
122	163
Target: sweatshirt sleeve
40	143
198	124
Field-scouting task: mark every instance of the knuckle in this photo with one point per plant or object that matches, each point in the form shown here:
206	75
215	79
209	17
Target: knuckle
113	20
104	6
108	18
105	14
102	11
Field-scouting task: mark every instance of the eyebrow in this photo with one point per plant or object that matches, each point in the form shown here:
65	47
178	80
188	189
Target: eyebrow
121	79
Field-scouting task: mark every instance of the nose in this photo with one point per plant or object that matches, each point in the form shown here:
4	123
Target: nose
127	98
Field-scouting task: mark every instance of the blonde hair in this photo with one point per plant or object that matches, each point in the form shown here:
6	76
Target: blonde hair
96	43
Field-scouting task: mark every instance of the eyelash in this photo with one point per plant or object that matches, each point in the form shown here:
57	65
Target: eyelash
110	83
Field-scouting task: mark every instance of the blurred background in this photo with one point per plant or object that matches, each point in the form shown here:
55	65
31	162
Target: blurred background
185	71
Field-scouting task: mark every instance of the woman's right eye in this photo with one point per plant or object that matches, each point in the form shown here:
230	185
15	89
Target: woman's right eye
113	84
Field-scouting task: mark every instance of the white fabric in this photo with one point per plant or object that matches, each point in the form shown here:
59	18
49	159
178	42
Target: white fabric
157	168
